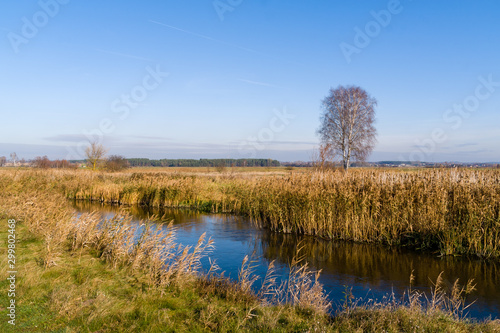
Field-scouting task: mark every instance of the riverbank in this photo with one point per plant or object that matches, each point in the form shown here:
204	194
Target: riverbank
85	274
78	277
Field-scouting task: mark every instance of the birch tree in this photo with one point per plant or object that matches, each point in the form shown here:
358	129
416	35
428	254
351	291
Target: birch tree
13	158
347	131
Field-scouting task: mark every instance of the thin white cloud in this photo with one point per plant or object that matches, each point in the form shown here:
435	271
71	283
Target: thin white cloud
237	143
124	55
66	138
258	83
462	145
150	137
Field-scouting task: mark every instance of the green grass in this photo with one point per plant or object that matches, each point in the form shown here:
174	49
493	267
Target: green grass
83	293
32	312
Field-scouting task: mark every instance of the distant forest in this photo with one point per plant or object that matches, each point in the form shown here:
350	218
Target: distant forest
248	162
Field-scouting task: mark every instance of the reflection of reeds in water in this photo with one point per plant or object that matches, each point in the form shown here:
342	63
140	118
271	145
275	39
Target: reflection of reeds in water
139	212
377	263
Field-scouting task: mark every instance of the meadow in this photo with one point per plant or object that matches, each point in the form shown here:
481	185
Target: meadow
85	274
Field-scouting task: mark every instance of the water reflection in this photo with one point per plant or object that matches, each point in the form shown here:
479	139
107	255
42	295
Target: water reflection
372	271
381	270
178	216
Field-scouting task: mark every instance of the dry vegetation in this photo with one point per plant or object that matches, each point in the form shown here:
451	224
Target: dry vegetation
451	211
143	281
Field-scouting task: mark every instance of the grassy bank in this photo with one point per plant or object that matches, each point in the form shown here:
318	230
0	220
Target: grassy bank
87	275
74	276
84	293
450	211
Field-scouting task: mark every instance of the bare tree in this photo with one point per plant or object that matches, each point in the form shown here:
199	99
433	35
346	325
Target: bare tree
95	154
347	130
319	159
3	160
13	157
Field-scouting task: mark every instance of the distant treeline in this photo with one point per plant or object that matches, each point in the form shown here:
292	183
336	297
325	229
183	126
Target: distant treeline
248	162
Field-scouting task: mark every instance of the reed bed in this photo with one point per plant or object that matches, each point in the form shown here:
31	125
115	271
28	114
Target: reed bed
449	211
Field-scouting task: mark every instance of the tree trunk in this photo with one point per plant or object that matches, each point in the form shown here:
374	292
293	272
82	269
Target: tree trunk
347	159
346	164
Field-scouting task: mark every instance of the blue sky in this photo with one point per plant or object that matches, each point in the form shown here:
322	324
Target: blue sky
241	78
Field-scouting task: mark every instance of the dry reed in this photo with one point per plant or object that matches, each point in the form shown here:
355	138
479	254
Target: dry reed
452	211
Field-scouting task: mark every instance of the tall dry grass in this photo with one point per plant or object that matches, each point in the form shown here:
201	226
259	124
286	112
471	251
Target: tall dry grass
452	211
300	288
147	248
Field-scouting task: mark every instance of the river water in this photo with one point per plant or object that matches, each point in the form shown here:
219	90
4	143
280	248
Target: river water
372	271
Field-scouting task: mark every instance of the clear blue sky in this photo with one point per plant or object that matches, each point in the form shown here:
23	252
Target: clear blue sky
71	68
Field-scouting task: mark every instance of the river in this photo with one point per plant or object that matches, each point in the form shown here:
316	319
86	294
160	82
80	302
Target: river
372	271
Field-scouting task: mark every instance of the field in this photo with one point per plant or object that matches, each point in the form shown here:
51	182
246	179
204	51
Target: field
86	275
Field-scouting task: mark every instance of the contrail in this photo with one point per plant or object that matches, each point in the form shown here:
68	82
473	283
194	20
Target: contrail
124	55
219	41
206	37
